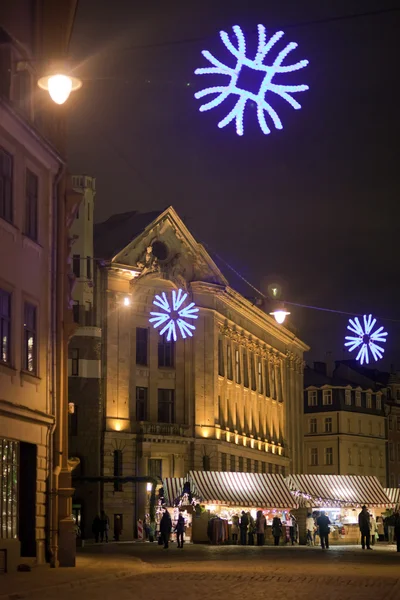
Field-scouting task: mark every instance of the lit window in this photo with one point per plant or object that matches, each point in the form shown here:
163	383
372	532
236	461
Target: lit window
347	397
260	378
329	456
30	341
328	425
237	366
369	400
9	488
5	327
314	457
358	399
312	398
327	397
313	425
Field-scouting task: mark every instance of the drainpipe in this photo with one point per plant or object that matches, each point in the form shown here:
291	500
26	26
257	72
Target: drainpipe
54	467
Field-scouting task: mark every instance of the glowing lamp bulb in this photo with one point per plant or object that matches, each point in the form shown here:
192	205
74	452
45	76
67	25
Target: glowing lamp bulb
126	301
149	486
59	86
280	315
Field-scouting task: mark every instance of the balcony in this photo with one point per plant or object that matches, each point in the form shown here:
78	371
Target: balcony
170	429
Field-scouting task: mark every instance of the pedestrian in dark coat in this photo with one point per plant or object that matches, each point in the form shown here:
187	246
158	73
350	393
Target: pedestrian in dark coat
180	530
397	530
96	528
323	523
244	523
364	523
165	528
276	530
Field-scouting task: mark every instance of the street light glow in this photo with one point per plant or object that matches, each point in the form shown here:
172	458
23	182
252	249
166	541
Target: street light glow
59	86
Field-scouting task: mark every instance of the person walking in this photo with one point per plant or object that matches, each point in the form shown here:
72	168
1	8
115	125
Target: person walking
244	523
96	527
323	523
180	530
397	530
390	528
374	529
235	529
276	530
364	523
310	526
261	524
165	528
105	526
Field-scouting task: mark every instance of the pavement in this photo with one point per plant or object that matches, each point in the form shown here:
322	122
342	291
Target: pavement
146	571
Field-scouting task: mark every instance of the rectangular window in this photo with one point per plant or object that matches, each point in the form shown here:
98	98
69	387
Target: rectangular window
75	362
89	267
314	457
347	397
263	467
327	397
229	373
328	425
329	456
141	345
358	399
369	400
248	465
270	469
273	386
9	452
31	205
141	404
30	338
391	451
118	469
73	421
221	369
237	366
313	426
256	466
5	327
233	463
245	369
241	464
266	374
253	373
166	352
260	377
223	462
166	406
76	265
154	468
378	403
6	186
75	311
312	398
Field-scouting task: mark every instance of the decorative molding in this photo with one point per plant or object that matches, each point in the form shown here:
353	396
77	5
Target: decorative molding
252	343
28	243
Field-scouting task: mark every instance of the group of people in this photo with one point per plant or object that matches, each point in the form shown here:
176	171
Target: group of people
100	527
166	528
366	523
248	527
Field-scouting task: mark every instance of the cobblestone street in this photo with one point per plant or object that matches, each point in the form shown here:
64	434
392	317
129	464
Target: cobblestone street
146	571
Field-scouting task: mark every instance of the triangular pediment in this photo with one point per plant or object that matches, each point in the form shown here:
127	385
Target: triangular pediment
167	249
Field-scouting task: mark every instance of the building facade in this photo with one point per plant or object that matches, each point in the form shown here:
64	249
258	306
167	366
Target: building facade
33	194
344	423
227	398
393	430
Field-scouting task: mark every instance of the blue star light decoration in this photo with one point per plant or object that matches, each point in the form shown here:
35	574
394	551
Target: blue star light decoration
256	64
365	339
173	315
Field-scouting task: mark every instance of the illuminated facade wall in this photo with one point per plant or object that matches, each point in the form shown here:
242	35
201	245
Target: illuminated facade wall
192	404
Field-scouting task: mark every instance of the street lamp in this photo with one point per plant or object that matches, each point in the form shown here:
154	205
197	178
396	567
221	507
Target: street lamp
59	86
280	314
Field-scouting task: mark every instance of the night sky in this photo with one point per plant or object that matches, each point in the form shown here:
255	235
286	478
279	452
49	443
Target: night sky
315	204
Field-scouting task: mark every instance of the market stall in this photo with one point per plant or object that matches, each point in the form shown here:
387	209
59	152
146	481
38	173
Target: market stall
179	496
394	496
226	494
341	498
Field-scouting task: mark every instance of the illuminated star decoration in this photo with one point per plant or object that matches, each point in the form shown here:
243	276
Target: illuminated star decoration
173	315
256	64
365	339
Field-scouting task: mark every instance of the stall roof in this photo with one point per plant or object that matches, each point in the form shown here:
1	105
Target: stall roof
256	490
339	490
393	494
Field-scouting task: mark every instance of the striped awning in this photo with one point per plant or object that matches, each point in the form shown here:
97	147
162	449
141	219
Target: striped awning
394	495
338	490
247	490
173	489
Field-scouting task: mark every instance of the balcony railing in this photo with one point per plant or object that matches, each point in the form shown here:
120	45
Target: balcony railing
162	429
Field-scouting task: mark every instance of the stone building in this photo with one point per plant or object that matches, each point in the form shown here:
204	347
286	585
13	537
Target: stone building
392	406
227	398
33	196
344	422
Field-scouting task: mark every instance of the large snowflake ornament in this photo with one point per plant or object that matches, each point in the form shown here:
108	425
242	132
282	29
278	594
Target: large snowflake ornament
365	339
256	64
173	315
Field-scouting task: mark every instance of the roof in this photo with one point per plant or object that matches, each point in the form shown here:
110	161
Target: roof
394	495
173	489
247	490
338	490
113	235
